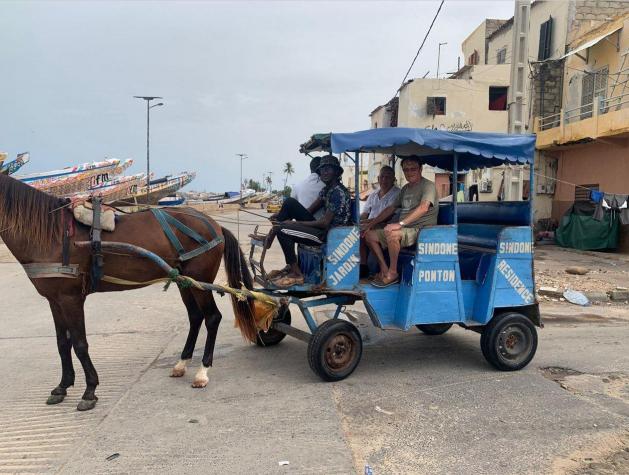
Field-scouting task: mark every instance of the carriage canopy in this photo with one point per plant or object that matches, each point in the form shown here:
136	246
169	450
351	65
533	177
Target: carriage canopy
435	147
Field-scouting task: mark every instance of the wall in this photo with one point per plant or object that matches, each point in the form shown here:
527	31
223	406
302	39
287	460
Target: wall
475	41
583	165
590	14
467	103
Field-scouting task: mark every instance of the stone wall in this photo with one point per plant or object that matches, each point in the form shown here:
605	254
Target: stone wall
547	84
588	13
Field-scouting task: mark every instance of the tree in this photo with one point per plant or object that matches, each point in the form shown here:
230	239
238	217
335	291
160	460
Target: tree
254	185
288	170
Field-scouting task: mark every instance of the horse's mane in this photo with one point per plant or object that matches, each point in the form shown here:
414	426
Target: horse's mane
26	214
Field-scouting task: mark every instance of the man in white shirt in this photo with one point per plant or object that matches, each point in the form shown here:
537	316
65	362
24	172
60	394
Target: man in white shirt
378	201
307	191
381	198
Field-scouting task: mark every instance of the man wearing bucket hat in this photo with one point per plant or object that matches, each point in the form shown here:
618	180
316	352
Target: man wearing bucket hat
296	224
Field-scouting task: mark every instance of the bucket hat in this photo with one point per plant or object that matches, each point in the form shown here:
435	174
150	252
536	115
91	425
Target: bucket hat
330	160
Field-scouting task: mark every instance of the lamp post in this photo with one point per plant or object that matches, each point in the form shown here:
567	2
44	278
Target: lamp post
148	100
439	57
242	157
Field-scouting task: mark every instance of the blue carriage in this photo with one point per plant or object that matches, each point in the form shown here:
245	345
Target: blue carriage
473	269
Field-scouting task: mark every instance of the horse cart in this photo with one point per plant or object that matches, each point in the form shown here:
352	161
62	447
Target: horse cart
474	269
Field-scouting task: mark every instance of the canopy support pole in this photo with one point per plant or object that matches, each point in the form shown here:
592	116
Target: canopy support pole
532	192
356	181
455	186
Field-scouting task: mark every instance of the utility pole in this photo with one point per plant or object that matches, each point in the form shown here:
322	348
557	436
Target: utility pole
148	100
439	57
517	91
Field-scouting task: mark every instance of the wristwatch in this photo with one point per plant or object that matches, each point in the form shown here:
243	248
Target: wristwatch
401	223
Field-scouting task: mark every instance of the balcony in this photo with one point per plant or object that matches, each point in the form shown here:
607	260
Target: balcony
602	118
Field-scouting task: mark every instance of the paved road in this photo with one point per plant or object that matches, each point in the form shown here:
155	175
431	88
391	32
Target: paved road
416	404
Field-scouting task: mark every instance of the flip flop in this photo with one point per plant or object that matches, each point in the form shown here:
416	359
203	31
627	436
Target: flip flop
286	282
381	284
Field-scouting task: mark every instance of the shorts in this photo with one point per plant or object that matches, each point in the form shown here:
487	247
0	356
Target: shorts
409	237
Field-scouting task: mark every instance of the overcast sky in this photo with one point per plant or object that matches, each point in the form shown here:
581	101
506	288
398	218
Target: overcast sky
252	77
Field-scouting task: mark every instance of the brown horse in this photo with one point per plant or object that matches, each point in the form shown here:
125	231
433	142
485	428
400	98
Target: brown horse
32	225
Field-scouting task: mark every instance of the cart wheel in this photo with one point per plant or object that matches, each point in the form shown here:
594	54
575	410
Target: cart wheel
335	350
273	336
509	341
435	329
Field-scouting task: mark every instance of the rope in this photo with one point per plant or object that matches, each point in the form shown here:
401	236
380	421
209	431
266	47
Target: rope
573	184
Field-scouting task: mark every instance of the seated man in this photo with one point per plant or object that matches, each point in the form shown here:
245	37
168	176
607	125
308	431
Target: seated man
307	191
417	206
377	202
333	199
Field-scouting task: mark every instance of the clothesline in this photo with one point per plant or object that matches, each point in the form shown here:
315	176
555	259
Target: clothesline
573	184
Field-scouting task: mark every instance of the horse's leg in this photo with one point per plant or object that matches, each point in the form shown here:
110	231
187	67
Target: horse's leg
195	317
213	318
75	317
64	345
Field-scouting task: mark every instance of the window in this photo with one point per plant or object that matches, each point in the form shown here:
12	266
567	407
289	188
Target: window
436	106
545	39
501	56
594	85
498	98
473	59
582	192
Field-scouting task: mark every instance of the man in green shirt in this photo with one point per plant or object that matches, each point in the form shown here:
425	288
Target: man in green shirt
417	206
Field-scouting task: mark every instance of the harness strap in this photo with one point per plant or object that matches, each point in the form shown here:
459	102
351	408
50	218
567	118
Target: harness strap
166	221
159	214
46	270
97	253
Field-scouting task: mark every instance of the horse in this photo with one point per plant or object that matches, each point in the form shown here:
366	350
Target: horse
33	224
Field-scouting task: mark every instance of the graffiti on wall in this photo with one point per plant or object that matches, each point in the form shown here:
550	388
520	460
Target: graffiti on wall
466	126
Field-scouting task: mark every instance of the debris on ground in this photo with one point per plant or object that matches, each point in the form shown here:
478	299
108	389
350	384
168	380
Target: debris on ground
576	298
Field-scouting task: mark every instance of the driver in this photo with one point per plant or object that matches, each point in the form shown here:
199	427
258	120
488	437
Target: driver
335	202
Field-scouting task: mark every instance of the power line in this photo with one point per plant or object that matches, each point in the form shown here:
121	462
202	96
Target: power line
420	46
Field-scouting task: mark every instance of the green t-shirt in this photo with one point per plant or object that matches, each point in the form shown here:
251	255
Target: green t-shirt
411	196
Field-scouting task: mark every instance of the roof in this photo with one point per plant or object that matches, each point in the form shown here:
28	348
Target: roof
436	147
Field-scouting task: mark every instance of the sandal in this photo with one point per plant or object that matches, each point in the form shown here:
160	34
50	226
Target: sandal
381	283
286	282
274	274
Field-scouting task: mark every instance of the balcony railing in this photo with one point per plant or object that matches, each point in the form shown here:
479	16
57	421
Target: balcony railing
584	111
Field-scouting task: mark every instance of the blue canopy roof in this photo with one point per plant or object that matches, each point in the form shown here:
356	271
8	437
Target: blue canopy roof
436	147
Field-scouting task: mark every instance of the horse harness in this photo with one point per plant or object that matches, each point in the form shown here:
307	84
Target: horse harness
167	222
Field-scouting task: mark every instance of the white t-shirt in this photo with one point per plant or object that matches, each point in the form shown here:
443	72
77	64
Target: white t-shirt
375	204
307	191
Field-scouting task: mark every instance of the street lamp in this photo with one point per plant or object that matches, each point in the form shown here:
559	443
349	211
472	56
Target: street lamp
439	57
148	100
242	157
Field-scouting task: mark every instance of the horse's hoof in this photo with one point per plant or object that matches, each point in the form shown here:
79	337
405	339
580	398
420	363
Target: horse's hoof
55	399
177	373
86	404
200	383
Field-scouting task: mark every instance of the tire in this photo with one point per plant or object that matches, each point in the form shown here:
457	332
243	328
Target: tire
434	329
335	350
509	341
273	337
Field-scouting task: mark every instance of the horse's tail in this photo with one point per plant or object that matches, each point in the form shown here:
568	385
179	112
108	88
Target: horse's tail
238	275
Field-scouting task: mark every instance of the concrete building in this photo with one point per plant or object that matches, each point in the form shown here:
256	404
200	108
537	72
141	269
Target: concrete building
588	136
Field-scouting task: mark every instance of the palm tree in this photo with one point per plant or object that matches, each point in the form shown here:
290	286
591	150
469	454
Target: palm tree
288	170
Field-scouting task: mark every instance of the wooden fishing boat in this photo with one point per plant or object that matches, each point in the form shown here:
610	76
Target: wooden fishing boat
11	167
